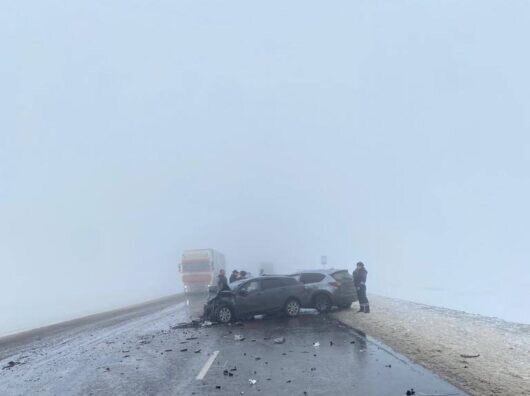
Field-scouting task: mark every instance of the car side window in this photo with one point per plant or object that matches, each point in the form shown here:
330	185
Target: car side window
251	286
272	283
311	278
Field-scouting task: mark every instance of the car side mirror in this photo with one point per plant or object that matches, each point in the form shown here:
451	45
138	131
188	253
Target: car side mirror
213	289
243	293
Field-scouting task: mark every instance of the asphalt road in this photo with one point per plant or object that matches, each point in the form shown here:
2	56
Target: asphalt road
136	352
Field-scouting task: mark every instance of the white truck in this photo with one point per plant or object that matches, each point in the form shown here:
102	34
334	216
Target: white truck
199	268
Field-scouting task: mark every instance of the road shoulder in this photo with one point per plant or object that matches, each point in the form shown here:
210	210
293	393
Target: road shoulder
447	342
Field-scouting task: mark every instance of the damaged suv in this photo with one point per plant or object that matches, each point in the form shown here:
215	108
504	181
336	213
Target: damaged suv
256	296
327	288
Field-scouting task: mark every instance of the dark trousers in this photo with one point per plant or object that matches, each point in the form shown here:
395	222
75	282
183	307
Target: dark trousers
361	295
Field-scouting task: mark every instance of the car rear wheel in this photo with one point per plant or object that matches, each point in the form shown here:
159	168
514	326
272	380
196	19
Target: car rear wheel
225	314
322	303
292	308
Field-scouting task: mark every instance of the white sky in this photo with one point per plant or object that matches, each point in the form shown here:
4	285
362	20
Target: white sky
393	132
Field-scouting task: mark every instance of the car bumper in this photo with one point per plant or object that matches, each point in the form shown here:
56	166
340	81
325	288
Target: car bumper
344	299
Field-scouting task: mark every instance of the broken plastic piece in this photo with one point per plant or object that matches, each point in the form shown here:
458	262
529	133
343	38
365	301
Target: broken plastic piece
316	344
252	381
279	340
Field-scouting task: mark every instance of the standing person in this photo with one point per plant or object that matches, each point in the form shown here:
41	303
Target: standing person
359	280
222	282
242	275
234	276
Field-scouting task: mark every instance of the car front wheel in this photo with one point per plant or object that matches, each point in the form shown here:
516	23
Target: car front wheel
225	314
292	308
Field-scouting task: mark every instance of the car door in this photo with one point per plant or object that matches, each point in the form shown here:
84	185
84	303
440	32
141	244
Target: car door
249	297
274	293
311	281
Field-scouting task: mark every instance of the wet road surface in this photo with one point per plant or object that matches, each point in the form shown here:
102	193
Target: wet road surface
140	354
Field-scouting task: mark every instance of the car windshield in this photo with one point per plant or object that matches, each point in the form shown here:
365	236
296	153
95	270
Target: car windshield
236	284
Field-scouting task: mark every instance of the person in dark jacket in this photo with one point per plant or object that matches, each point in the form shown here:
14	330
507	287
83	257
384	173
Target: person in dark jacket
234	276
222	282
359	280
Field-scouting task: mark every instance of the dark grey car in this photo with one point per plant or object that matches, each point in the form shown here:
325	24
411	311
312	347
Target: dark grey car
326	288
256	296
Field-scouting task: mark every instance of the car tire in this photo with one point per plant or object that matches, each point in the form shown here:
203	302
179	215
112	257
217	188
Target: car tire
224	314
292	308
322	303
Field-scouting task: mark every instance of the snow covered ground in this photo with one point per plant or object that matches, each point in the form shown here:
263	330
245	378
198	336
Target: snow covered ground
446	341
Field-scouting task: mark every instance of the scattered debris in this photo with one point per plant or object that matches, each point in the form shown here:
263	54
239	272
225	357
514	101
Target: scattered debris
352	342
197	351
469	356
410	392
239	337
207	323
192	338
331	343
388	365
10	365
316	344
252	381
279	340
288	381
217	386
188	325
313	369
240	324
168	350
184	350
258	358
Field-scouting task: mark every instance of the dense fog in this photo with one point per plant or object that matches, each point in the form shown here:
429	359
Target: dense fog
396	133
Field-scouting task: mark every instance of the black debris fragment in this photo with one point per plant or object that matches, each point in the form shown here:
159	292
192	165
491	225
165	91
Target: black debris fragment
388	365
233	369
469	356
10	365
257	358
352	342
184	350
218	387
187	325
313	369
197	351
331	343
288	381
192	338
411	392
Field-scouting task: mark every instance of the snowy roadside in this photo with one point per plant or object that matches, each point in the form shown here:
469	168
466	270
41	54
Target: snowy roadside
448	342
